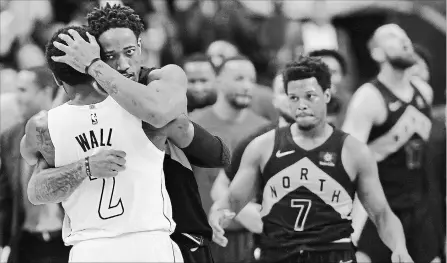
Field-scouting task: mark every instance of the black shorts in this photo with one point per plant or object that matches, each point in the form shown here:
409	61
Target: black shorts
239	249
421	238
329	256
201	255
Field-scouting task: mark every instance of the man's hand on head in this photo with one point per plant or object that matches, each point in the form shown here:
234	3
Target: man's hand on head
79	54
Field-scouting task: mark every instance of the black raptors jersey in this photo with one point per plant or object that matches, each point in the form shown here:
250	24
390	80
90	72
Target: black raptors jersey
399	145
307	199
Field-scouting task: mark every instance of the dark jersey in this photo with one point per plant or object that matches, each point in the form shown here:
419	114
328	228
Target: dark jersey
399	145
307	198
182	188
183	191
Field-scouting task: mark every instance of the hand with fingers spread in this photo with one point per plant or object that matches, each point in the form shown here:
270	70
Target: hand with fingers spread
220	219
107	163
79	53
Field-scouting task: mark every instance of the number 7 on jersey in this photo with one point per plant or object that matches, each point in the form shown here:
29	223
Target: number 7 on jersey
303	206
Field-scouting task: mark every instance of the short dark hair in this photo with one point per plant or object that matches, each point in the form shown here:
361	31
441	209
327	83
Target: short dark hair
226	60
63	71
44	78
307	67
102	19
331	53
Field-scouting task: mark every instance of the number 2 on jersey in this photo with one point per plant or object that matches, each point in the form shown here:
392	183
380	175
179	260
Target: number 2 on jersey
106	210
303	206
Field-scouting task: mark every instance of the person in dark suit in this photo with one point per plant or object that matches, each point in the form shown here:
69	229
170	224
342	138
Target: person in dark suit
28	233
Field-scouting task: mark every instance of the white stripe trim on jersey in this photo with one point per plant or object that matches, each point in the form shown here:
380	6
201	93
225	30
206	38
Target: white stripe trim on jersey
275	189
343	240
411	122
178	155
192	238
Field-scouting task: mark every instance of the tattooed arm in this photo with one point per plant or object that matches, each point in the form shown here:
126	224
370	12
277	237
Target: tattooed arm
164	101
46	185
37	140
56	184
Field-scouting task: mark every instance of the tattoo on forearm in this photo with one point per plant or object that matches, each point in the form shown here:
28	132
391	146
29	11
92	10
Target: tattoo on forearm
106	82
57	185
97	72
44	143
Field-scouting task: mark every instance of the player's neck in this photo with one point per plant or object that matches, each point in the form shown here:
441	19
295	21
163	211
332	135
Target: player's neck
318	132
226	112
282	122
86	95
393	77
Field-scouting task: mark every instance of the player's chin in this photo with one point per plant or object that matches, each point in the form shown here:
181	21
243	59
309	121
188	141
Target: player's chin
305	123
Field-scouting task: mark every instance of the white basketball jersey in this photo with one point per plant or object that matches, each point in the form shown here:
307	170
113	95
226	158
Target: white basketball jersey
136	199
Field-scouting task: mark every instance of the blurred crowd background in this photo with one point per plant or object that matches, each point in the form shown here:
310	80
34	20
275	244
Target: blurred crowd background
270	33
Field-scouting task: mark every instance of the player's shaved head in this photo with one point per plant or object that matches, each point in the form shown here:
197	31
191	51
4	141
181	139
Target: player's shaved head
382	33
390	45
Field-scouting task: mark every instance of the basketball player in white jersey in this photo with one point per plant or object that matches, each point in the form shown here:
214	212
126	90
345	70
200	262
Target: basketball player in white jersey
107	218
392	114
309	173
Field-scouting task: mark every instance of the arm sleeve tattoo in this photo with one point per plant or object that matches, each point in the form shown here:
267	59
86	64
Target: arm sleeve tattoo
54	185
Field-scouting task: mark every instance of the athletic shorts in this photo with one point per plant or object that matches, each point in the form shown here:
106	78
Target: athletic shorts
421	238
239	249
134	247
200	254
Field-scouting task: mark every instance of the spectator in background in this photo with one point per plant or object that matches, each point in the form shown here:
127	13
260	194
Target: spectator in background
32	232
340	95
232	120
201	75
311	28
219	50
29	56
9	110
261	102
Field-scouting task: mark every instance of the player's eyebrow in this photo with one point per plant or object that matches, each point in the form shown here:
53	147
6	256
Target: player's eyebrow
128	47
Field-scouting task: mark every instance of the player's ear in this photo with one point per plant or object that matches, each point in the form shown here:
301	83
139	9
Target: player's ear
327	95
139	44
378	54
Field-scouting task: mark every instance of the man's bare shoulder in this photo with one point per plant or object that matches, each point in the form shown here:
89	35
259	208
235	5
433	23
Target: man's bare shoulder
366	96
368	104
263	142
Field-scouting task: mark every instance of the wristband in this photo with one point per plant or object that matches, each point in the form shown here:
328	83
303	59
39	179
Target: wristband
91	63
87	166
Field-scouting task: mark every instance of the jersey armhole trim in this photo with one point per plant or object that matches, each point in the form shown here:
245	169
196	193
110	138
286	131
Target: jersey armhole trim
382	104
342	143
276	141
